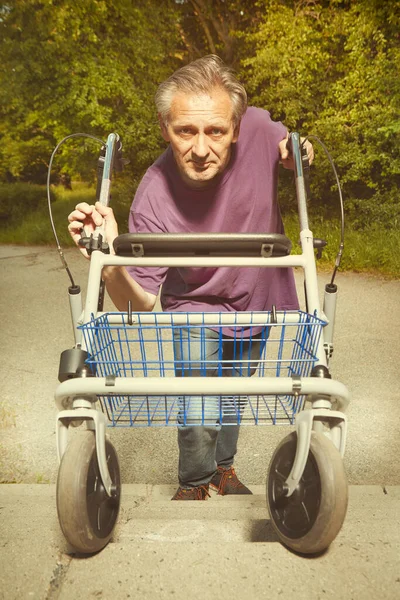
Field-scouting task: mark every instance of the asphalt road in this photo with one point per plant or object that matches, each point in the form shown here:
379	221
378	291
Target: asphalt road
36	328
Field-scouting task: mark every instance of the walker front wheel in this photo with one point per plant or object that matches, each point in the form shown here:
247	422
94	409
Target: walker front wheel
87	514
308	520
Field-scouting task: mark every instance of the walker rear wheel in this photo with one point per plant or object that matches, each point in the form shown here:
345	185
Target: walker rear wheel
310	519
86	513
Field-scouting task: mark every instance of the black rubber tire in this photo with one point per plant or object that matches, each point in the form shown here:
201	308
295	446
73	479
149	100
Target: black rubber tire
309	520
86	513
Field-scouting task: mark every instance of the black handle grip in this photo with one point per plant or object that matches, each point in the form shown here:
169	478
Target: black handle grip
289	144
303	150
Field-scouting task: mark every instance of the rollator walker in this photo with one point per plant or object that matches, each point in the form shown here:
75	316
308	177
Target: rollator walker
123	370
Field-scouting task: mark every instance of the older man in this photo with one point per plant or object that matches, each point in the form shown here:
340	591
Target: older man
219	175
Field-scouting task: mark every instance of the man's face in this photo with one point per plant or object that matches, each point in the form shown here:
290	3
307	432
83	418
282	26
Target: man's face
201	133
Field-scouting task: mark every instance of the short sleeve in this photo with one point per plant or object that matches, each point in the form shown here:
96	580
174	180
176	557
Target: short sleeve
150	278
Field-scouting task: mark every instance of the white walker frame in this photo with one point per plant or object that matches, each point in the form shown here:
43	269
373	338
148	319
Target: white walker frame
76	398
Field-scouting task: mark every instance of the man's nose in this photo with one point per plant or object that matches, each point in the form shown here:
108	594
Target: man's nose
200	146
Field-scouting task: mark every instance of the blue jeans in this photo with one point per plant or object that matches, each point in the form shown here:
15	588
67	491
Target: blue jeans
203	352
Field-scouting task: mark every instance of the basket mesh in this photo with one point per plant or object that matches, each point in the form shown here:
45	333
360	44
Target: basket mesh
178	345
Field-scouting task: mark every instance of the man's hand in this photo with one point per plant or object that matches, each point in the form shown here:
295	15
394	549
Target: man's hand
287	159
85	218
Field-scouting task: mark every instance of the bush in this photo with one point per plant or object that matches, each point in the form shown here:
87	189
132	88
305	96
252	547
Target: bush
382	211
17	200
25	215
330	69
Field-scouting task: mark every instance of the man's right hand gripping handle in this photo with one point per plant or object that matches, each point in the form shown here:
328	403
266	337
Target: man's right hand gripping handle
84	220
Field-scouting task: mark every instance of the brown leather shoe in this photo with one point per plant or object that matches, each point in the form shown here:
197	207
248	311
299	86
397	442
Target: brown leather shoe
225	481
194	493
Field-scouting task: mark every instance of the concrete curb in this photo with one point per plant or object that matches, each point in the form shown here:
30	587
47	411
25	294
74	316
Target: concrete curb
225	547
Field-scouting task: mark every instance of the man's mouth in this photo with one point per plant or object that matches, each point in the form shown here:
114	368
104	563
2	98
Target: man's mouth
198	165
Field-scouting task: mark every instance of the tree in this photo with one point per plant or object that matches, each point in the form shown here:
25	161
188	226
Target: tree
327	67
87	65
211	27
331	68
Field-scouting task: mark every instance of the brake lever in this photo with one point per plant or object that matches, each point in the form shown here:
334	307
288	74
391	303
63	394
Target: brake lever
92	243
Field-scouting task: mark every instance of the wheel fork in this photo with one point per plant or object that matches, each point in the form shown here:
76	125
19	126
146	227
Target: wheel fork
96	421
306	422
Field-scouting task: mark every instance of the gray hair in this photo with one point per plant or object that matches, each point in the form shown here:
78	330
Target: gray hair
200	77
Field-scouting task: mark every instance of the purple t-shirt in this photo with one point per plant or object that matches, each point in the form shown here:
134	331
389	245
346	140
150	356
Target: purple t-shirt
242	200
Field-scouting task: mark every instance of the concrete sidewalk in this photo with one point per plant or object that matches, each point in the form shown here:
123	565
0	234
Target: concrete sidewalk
223	548
36	328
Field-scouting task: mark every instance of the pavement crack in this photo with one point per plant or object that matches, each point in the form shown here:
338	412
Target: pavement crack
128	513
31	256
59	573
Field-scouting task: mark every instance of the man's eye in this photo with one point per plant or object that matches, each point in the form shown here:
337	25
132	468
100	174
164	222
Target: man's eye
216	131
184	131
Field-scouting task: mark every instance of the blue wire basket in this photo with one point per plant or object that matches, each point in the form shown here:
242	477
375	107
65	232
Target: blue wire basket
178	345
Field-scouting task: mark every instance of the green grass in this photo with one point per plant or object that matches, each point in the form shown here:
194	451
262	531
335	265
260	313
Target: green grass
370	250
35	228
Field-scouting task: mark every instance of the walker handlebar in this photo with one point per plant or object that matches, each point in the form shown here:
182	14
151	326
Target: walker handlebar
301	166
110	158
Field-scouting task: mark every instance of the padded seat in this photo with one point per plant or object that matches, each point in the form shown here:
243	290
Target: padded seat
202	244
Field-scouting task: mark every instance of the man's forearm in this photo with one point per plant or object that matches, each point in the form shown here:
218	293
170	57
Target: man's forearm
122	288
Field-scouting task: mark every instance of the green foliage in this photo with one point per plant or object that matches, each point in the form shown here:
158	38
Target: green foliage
212	26
370	249
87	65
331	69
28	221
324	67
18	199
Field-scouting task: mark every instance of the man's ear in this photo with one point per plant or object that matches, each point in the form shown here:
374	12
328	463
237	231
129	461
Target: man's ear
236	133
163	127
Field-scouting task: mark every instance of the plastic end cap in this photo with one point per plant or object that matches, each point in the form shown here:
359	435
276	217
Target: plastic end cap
331	288
321	371
74	290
